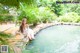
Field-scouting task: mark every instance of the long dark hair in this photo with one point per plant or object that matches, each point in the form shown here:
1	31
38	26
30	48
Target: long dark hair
22	27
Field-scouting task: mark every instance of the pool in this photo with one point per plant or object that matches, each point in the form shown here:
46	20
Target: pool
55	39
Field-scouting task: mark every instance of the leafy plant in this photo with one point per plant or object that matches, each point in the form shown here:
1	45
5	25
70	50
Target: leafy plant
69	17
46	15
4	37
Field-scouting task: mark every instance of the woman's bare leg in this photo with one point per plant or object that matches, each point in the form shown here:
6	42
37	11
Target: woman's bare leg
29	37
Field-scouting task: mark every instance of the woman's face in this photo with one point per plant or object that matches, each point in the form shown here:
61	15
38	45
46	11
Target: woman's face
24	21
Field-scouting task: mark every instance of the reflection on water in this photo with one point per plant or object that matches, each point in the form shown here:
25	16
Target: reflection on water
71	47
56	39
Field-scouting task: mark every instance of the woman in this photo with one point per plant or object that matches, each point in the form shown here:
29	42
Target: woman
25	30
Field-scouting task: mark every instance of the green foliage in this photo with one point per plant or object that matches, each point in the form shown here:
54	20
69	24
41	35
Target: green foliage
78	20
57	8
21	15
4	41
16	3
46	15
72	8
3	38
4	14
2	9
6	18
38	11
2	18
28	11
36	14
69	17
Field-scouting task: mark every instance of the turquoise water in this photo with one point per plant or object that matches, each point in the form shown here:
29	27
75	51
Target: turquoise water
56	39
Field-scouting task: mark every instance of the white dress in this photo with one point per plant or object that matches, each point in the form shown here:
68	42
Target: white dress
29	33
